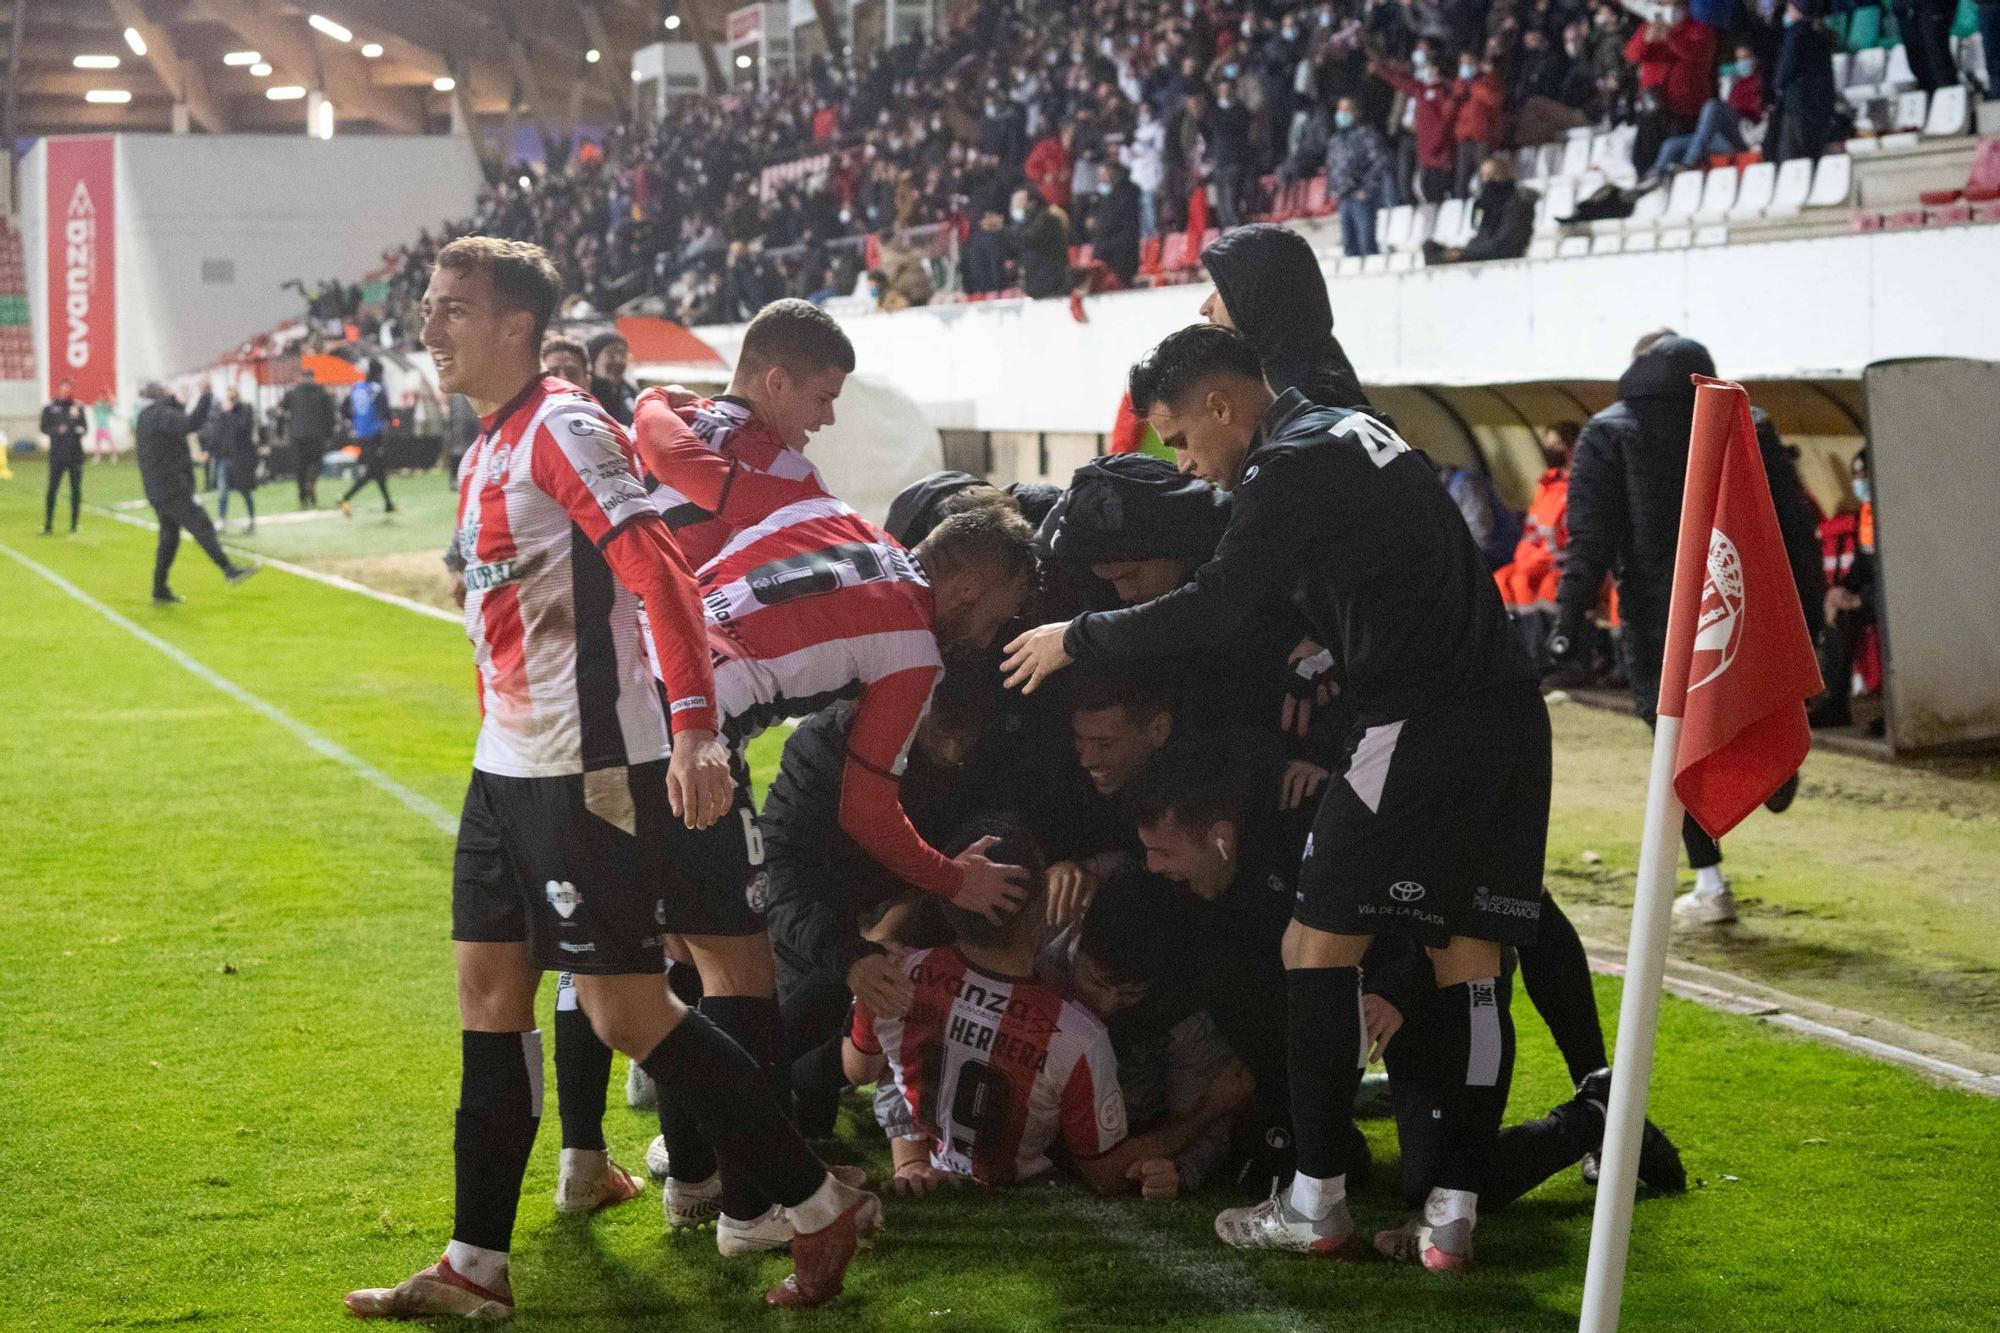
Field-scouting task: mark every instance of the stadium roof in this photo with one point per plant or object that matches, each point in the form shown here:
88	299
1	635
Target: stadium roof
222	59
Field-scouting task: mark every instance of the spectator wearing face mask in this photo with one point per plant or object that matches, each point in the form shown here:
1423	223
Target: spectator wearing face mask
1357	169
1114	223
1719	127
1145	159
1039	242
1479	107
1226	134
1506	218
1435	111
1675	57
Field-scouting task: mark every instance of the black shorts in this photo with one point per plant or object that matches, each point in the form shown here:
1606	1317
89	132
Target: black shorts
1438	827
572	865
715	882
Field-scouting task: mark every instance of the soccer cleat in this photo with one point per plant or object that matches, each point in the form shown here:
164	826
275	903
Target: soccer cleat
820	1258
1272	1225
691	1203
1445	1249
237	573
346	510
1781	800
588	1180
168	597
658	1159
642	1094
772	1231
435	1291
1659	1160
1695	908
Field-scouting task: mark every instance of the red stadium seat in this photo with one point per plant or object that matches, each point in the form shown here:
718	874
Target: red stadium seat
1173	256
1317	204
1982	183
1149	255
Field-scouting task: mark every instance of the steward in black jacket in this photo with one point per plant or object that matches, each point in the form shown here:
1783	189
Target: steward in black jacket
1270	282
166	469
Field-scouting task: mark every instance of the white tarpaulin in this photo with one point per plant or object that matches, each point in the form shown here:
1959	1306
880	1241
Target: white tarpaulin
1934	427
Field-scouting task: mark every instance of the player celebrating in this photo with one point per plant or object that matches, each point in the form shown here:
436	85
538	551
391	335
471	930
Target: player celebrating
997	1069
565	843
1438	828
812	605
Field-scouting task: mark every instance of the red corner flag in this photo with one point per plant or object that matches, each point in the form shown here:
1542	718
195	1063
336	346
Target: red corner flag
1739	661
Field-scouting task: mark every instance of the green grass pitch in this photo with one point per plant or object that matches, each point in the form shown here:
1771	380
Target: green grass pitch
228	1053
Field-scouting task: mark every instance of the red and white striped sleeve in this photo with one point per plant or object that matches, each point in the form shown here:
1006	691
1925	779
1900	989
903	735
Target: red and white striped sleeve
871	796
583	460
726	488
1091	1110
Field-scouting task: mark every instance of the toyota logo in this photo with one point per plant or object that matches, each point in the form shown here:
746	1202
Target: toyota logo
1404	891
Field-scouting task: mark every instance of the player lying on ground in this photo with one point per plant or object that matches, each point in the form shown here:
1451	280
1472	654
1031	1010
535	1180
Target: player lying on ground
567	838
998	1070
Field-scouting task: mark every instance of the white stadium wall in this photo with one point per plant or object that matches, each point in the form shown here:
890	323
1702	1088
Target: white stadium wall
1821	308
208	227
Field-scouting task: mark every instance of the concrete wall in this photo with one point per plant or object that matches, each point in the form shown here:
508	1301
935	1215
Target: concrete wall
1782	310
271	207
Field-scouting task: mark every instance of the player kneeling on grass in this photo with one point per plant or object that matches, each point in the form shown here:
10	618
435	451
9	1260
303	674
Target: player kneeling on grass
563	845
1125	959
999	1071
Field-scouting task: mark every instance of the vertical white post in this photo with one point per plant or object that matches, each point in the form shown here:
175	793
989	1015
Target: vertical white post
1638	1026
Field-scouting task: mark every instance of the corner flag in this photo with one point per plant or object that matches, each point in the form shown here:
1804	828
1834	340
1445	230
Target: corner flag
1739	667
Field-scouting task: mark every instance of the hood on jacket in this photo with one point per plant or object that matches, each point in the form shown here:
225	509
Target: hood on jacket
1271	282
1134	507
920	507
1662	370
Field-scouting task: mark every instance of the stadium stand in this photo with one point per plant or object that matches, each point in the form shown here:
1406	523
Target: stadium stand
17	349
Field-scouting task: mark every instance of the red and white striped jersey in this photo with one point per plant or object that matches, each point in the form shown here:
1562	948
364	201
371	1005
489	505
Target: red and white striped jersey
563	684
719	469
816	604
997	1070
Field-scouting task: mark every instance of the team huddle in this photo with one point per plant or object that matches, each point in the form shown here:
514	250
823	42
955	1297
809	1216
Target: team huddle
1122	828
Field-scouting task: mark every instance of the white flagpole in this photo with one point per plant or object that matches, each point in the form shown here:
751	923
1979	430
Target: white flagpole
1638	1026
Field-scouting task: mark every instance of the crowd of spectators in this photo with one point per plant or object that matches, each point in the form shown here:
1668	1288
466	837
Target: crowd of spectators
976	158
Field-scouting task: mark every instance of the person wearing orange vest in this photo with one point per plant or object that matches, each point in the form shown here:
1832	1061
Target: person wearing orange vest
1528	582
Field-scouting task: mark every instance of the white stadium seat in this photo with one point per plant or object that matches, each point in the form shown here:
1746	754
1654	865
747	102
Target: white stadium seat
1864	82
1755	191
1683	197
1396	236
1718	194
1912	108
1576	153
1676	238
1640	242
1607	243
1794	184
1450	222
1542	247
1833	181
1548	161
1646	214
1559	203
1842	63
1350	266
1715	233
1573	247
1950	114
1897	74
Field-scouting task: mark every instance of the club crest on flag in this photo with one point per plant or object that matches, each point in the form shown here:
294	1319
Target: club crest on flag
1719	623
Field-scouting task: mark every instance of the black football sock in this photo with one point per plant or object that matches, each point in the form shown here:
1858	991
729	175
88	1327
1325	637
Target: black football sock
499	1110
1557	975
690	1156
583	1069
754	1023
1474	1033
1325	1054
1526	1154
731	1100
1413	1091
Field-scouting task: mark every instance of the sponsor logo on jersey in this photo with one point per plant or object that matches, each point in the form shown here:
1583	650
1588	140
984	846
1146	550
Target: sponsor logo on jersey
1406	891
757	893
497	464
485	578
573	946
1111	1110
1484	900
563	897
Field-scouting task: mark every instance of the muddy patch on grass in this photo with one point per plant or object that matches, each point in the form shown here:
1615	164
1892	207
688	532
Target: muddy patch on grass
417	575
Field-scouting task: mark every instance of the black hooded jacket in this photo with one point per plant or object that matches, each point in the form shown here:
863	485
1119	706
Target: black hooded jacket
1625	486
1134	507
1276	294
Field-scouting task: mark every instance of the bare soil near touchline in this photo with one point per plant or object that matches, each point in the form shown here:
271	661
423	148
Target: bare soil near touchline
1879	890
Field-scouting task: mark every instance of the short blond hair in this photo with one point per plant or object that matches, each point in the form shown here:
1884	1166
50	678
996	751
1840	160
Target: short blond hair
523	276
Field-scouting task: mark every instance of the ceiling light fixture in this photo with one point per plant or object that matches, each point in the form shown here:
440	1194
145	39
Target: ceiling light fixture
95	62
108	96
324	128
135	41
372	51
285	92
673	22
743	62
592	56
444	83
242	58
261	70
322	23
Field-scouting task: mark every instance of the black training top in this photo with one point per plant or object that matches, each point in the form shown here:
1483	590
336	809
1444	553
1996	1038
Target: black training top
1338	513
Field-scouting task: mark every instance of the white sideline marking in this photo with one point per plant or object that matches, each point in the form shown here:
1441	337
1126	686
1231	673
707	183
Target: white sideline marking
331	580
1228	1289
418	804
